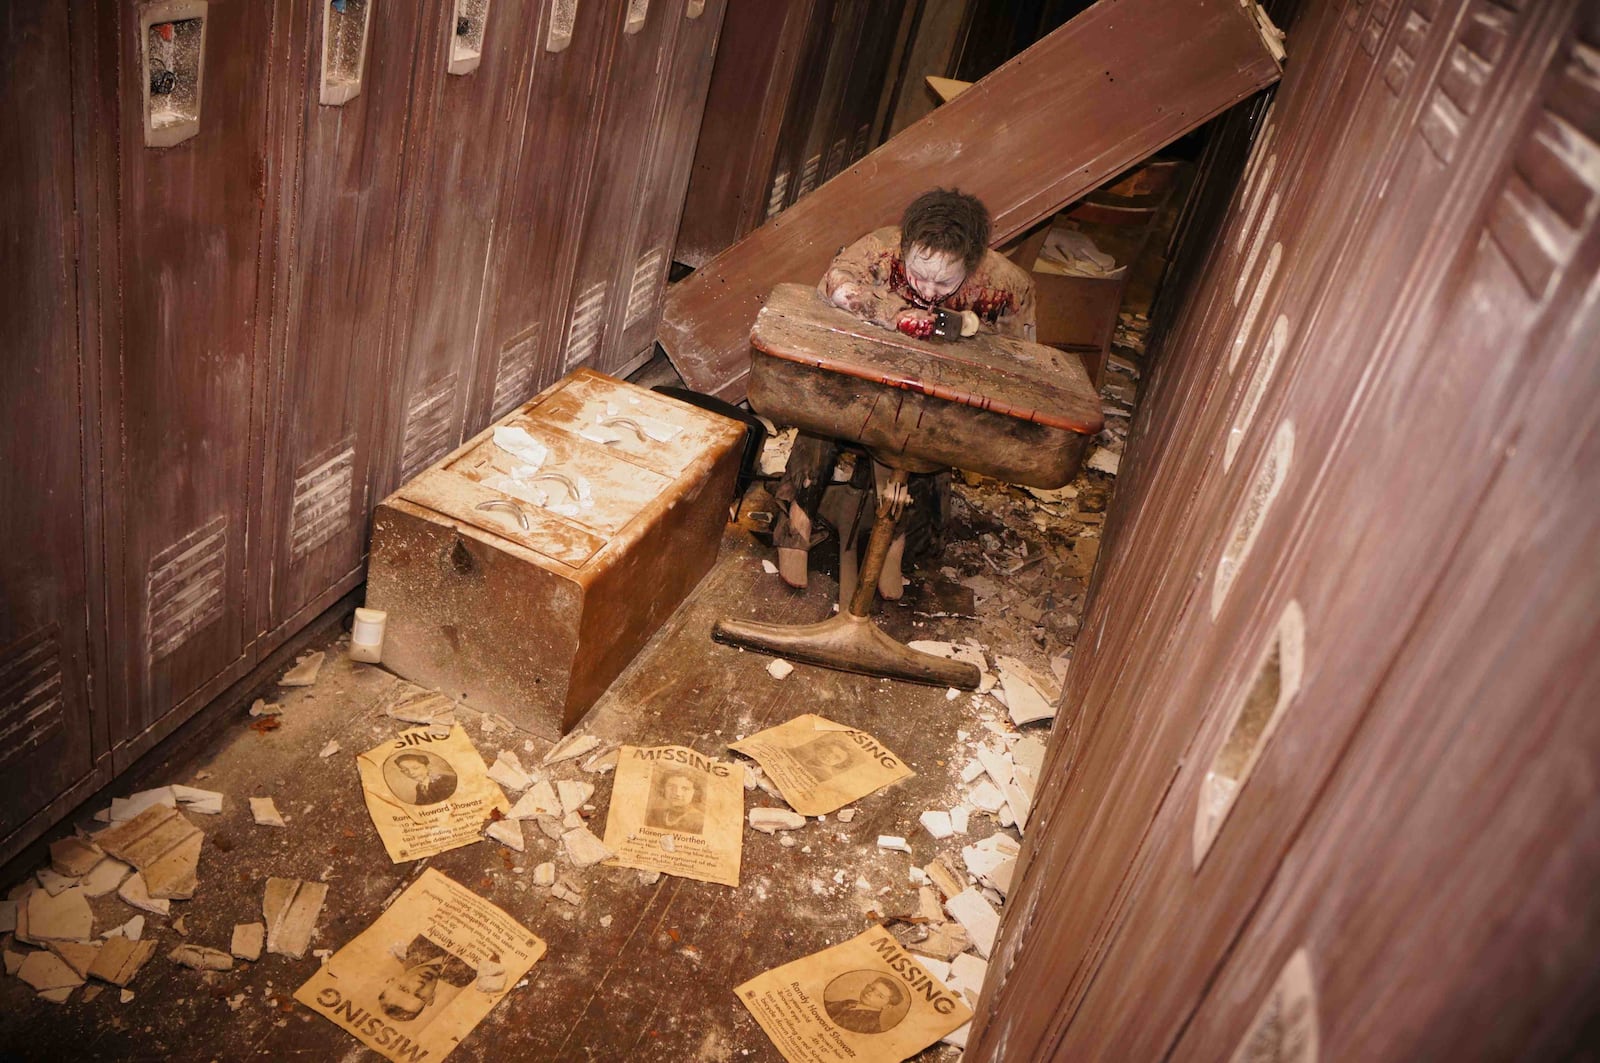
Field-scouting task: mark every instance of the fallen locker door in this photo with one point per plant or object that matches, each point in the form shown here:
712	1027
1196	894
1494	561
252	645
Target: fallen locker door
1109	88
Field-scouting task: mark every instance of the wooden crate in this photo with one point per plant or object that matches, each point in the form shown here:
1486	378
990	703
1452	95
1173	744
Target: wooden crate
531	610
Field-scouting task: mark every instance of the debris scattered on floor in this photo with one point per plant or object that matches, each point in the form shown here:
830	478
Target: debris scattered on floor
200	958
248	940
778	668
290	908
674	791
163	845
265	812
328	750
571	747
262	707
305	670
819	766
73	857
772	820
507	770
583	848
120	959
878	1001
420	769
436	934
507	832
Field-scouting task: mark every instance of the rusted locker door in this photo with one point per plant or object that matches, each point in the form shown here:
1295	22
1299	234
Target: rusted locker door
1288	413
635	84
461	130
788	167
48	741
730	182
549	165
822	153
185	388
641	275
1438	899
336	217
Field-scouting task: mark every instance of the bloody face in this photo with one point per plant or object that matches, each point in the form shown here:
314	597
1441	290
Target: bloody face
933	274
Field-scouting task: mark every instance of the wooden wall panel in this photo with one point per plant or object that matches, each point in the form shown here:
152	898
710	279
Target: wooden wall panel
336	225
1405	378
999	140
183	392
47	741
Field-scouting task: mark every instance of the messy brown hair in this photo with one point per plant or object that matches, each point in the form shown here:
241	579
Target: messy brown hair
949	221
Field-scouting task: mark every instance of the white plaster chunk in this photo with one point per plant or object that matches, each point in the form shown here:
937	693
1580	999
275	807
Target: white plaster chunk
772	820
507	770
328	750
570	747
976	916
63	916
1102	460
200	958
305	671
194	799
265	812
778	668
507	832
73	857
893	842
133	929
544	875
936	824
997	764
126	808
572	795
583	848
539	800
845	815
986	797
45	971
106	877
133	891
53	882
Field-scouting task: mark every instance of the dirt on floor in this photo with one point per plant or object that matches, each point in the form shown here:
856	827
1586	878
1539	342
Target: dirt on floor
641	967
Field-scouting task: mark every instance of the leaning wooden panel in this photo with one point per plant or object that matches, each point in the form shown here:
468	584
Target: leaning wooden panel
1102	92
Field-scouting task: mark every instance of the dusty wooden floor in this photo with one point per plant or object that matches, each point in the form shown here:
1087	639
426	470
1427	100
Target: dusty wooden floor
638	971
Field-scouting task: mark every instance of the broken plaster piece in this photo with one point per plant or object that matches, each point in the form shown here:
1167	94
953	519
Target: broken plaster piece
200	958
508	832
73	857
1102	460
507	770
570	747
544	875
133	930
45	971
106	877
601	763
163	845
265	812
305	670
583	848
248	940
133	891
573	794
893	843
54	882
539	800
1027	695
78	955
778	668
201	802
937	824
263	707
772	820
328	750
120	959
977	916
126	808
845	815
290	907
986	797
65	916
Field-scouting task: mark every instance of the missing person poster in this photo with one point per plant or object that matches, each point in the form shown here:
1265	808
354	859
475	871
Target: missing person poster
417	981
427	791
819	765
865	999
677	811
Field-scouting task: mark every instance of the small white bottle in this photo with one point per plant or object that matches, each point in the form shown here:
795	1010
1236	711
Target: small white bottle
366	635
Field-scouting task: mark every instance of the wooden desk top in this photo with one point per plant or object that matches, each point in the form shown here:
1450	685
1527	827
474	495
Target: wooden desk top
1028	381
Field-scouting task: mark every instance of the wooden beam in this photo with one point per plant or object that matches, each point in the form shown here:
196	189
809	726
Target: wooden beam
1104	91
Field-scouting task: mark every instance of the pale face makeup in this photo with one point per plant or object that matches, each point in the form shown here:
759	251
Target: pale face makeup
934	274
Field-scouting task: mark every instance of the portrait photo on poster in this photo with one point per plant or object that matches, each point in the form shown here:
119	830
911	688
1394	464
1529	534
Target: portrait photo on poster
420	777
866	1001
828	755
677	801
428	978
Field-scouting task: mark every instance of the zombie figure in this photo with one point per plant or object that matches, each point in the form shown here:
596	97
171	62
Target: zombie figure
938	258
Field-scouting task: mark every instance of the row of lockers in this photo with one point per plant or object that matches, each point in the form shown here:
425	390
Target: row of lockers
800	92
264	261
1324	776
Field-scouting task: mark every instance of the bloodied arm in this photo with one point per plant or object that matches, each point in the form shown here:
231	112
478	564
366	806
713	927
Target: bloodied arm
861	279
